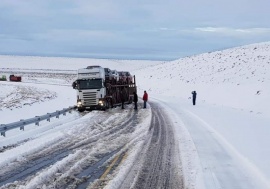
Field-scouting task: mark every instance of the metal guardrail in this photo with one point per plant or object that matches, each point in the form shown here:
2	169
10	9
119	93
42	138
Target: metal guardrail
22	123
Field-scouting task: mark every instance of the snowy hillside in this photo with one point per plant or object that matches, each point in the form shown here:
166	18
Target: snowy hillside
237	77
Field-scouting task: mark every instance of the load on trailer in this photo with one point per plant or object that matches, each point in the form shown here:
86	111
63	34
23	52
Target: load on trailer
15	78
99	88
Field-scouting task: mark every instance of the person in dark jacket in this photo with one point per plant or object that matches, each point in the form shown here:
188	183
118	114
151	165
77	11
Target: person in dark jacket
145	99
194	95
122	99
135	100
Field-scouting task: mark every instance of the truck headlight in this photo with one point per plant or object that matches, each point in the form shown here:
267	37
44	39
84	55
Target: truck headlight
79	103
100	103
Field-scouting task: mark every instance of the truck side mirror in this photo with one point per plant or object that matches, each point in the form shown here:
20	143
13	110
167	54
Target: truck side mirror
74	85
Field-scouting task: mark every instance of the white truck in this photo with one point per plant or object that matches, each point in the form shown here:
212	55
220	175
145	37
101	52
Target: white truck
95	91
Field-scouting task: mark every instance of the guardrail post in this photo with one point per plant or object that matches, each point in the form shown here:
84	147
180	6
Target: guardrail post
22	127
38	120
3	133
58	114
70	109
48	119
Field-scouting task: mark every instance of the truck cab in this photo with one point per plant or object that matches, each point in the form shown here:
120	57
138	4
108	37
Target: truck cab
90	88
95	90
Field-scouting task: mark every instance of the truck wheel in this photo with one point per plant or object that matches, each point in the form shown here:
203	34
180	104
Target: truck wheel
111	103
107	104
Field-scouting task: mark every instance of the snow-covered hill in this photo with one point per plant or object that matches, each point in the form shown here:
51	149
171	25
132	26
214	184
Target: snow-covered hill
237	77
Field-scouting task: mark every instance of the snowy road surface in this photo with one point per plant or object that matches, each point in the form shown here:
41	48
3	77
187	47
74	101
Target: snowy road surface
219	166
92	148
158	164
127	149
222	164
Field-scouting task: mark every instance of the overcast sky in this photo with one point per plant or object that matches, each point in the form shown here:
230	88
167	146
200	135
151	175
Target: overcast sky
135	29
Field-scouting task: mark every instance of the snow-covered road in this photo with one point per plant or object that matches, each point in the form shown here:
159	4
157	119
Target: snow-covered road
223	162
158	164
94	149
63	157
221	169
129	149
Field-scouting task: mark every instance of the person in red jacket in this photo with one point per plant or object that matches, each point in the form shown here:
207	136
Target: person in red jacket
145	99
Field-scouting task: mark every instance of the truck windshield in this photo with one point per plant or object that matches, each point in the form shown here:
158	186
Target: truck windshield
89	84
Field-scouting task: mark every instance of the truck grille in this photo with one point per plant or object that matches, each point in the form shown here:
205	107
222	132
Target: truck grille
90	98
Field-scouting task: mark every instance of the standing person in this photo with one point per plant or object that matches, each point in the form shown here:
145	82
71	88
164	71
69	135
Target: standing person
145	99
135	100
194	94
122	99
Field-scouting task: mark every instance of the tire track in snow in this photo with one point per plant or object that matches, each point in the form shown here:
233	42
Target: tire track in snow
34	163
159	158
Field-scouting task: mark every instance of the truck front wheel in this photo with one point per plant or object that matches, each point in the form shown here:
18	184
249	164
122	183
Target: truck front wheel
107	104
